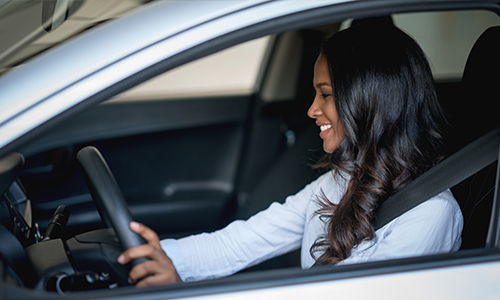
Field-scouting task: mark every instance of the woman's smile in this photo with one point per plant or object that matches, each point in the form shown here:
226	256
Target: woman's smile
325	129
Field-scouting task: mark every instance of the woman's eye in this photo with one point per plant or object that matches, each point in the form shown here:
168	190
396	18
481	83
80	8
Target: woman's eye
325	95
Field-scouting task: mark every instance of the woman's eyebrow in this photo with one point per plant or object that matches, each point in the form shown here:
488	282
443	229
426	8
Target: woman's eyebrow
318	85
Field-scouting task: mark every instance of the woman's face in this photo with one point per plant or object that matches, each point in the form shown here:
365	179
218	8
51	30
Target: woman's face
323	107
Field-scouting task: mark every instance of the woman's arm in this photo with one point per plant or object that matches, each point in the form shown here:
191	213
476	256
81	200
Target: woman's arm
274	231
277	230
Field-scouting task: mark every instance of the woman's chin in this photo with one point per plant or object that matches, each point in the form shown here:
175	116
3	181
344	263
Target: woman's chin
329	146
328	149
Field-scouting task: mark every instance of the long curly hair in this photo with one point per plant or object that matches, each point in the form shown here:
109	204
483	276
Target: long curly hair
384	94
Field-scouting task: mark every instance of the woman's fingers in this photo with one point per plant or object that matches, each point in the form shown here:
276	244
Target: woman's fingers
145	250
147	233
159	279
159	269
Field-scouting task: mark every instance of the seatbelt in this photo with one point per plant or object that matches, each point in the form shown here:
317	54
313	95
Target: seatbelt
448	173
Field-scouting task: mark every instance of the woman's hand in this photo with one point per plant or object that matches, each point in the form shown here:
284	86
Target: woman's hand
159	267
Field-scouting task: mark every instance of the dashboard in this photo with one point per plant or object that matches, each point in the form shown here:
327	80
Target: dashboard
52	262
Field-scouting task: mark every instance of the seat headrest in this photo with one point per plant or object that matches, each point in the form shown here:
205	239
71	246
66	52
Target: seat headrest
480	83
377	22
482	70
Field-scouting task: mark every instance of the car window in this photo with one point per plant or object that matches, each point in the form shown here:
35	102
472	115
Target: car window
233	71
446	37
31	27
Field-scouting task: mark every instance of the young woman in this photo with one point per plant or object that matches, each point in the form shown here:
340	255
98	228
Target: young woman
379	119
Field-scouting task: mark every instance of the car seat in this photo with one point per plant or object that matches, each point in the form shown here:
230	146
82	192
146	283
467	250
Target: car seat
475	116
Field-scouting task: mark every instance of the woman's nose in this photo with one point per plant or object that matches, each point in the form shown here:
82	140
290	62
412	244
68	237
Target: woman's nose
314	110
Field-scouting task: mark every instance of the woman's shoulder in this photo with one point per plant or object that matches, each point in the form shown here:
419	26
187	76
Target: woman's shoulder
443	202
442	208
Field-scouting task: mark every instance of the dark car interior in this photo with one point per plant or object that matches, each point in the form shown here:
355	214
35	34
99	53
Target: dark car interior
475	195
193	165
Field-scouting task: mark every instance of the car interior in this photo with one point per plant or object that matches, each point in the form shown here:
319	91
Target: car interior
193	163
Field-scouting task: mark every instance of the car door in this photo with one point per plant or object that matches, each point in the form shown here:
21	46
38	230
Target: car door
423	276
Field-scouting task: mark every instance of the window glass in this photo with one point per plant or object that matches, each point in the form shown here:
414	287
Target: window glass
233	71
31	27
446	37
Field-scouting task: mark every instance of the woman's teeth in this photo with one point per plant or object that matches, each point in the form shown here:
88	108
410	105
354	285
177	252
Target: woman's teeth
325	127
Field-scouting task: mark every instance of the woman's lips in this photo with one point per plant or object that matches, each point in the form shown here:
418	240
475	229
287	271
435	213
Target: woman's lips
325	129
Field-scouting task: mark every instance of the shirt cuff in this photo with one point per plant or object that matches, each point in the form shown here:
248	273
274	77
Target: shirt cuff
173	250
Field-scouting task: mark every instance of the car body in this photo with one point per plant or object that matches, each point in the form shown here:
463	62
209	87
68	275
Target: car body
194	160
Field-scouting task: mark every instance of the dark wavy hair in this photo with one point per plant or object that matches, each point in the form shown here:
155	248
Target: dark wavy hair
384	94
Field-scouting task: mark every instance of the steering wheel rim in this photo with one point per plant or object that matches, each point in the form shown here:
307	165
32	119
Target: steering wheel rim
108	198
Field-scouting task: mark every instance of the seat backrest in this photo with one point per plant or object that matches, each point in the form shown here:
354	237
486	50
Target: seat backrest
477	116
481	81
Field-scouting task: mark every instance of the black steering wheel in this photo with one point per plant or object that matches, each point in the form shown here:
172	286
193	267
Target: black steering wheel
108	198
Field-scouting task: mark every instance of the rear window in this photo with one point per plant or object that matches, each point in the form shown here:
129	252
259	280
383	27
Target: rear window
446	37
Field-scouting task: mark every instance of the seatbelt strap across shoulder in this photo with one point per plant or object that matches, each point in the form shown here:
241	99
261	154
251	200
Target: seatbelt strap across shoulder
451	171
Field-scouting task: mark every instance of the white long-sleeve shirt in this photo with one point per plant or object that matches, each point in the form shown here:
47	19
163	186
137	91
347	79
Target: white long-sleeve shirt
434	226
